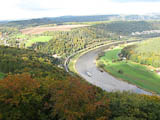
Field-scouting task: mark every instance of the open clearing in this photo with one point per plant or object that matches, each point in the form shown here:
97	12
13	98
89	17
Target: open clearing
129	71
40	30
38	39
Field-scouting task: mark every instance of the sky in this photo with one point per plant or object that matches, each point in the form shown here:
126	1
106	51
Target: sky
27	9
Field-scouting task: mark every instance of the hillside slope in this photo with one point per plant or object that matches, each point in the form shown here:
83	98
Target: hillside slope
147	52
34	83
36	89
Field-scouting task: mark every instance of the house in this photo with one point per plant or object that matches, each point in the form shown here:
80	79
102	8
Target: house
124	58
56	56
158	71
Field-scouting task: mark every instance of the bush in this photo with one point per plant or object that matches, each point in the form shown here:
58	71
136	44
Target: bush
120	71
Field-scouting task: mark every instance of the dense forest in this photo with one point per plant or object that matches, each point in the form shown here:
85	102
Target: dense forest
13	60
146	52
65	43
36	89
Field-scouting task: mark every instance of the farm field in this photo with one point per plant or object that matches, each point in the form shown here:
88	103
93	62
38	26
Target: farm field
129	71
40	30
38	39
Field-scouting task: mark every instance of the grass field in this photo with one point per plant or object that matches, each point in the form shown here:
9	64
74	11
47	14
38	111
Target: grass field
21	36
131	72
1	75
38	39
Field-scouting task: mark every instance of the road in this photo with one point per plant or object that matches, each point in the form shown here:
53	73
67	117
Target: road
86	64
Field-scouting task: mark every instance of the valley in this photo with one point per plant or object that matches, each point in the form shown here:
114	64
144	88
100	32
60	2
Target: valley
69	68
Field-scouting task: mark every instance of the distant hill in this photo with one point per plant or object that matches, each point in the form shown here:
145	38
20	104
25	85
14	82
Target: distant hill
3	22
127	27
60	20
91	18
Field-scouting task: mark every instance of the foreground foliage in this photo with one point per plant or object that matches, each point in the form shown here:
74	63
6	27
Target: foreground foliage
127	106
43	91
23	97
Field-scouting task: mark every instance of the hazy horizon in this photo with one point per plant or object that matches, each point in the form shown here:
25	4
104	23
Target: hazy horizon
29	9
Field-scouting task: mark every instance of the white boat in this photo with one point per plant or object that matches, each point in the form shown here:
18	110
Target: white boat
89	74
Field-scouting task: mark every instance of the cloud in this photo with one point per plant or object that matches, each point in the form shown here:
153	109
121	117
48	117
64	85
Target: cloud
23	9
31	5
122	1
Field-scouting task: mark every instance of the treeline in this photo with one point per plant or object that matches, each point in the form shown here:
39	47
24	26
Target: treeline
42	91
146	52
65	43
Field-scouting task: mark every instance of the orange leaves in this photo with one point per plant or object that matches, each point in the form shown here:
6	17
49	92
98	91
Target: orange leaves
18	83
75	99
14	87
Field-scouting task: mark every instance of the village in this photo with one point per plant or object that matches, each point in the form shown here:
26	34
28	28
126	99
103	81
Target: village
145	32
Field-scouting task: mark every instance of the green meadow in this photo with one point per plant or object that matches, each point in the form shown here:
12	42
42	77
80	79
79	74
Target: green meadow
129	71
33	40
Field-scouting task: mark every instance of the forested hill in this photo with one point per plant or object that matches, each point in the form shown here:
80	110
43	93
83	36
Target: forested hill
147	52
65	43
127	27
33	88
13	60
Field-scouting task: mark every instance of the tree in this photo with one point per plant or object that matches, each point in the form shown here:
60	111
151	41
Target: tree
21	98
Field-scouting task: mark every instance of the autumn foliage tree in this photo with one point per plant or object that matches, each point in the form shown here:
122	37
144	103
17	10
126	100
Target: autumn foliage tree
75	100
20	98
